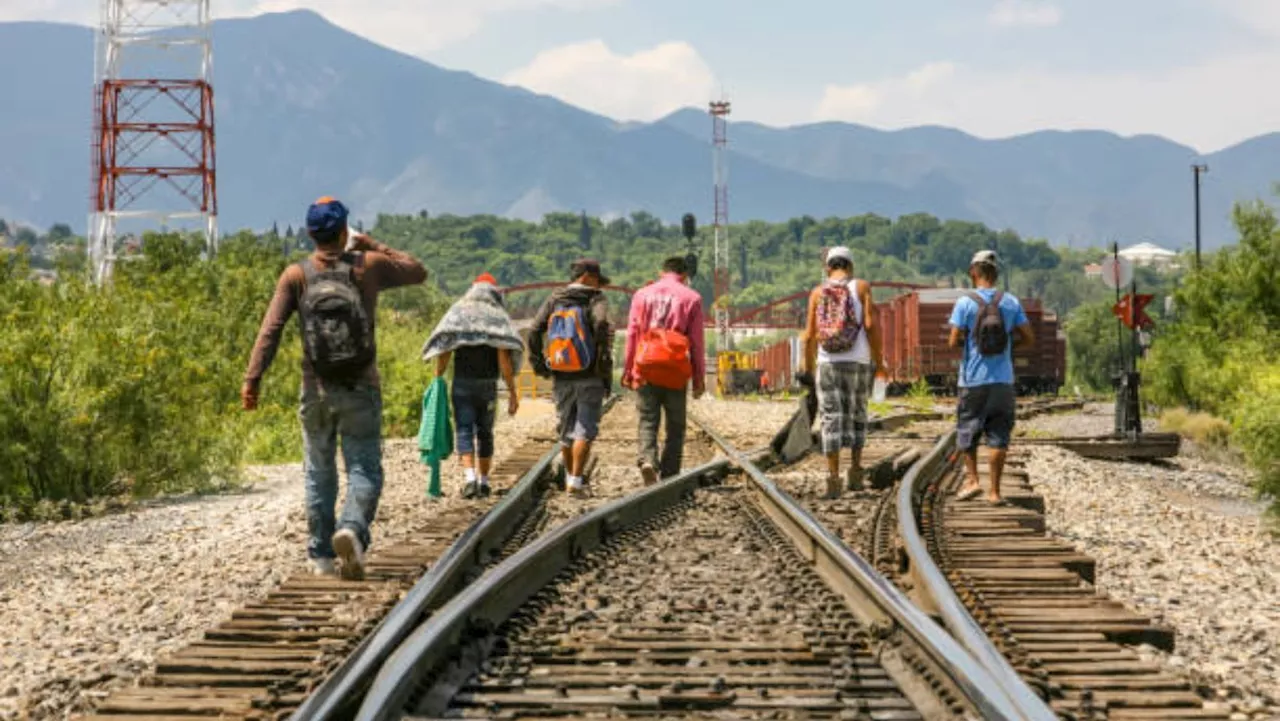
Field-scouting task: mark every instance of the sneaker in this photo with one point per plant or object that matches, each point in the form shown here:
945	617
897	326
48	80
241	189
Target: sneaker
470	489
575	486
352	553
323	567
649	475
485	490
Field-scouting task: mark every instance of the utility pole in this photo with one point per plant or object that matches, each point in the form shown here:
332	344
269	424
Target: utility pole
720	267
1196	171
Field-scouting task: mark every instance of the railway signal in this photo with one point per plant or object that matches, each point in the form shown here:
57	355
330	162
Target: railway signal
1130	311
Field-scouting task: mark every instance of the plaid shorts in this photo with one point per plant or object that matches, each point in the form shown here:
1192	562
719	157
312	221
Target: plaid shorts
843	389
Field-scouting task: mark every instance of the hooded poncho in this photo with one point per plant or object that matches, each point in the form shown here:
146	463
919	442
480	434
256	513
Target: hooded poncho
479	317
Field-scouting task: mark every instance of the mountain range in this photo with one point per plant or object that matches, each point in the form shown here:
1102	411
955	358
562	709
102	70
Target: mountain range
305	108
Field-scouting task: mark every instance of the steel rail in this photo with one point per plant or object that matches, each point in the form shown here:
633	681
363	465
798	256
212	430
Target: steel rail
337	696
930	579
485	604
875	596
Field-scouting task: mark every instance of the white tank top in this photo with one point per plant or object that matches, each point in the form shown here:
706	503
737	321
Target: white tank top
861	351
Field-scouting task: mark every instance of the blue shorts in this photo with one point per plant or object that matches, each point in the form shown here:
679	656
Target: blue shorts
985	410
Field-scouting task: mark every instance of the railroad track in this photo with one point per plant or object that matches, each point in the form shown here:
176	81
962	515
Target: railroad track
310	646
1021	601
686	599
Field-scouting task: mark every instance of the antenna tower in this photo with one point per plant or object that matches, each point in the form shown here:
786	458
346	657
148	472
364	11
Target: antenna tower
153	139
720	273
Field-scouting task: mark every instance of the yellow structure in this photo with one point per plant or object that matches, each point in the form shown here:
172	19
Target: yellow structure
529	385
734	374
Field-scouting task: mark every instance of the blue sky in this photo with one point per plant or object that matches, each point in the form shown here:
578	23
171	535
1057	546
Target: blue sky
1192	70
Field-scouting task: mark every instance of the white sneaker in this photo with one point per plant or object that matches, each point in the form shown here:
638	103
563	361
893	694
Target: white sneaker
323	567
574	485
352	552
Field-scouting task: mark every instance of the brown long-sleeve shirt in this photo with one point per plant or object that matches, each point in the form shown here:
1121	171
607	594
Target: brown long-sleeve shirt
378	269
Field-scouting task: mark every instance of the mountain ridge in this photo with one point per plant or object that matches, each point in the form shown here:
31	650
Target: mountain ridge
340	114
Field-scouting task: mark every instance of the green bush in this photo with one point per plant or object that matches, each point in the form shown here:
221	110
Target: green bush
133	388
1093	354
1222	353
1257	430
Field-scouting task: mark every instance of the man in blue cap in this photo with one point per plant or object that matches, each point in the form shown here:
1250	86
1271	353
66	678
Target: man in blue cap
335	293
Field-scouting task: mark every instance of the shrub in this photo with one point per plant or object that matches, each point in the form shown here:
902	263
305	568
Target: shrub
1222	355
1257	431
133	388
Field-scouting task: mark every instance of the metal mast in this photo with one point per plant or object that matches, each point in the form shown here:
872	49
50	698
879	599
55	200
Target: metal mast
153	141
720	274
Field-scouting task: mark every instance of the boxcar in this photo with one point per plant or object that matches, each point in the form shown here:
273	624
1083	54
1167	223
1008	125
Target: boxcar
916	329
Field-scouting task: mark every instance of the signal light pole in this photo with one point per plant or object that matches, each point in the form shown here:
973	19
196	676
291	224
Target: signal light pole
1196	171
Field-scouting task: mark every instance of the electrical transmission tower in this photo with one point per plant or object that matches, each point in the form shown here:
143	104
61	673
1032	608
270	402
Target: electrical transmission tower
153	139
720	273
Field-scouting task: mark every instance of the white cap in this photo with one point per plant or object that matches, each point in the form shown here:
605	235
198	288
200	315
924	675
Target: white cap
985	257
839	252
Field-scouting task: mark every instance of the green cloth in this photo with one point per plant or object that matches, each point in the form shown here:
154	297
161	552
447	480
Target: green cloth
435	435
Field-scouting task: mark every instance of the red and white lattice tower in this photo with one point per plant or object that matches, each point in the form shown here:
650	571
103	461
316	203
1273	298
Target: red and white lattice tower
720	268
153	139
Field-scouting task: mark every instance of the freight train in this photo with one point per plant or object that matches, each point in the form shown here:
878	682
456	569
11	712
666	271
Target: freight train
915	328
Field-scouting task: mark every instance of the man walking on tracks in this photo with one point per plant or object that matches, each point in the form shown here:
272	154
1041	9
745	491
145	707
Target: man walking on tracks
335	293
987	324
477	335
574	325
842	341
665	350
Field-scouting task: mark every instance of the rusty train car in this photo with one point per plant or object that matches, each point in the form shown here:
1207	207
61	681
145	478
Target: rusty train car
915	328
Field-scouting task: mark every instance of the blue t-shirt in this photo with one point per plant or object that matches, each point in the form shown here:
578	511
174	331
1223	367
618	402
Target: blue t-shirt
975	368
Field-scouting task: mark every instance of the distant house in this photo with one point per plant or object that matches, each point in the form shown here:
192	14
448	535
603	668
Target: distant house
1150	255
1093	270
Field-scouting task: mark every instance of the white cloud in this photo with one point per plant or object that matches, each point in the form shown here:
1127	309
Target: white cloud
413	26
1209	106
1024	13
643	86
866	102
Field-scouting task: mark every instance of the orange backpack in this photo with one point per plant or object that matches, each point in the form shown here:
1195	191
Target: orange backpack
662	358
569	347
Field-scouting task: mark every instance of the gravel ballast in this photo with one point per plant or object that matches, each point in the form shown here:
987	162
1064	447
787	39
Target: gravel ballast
1182	541
89	606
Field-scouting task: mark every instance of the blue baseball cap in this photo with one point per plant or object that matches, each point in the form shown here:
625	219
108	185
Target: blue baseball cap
326	216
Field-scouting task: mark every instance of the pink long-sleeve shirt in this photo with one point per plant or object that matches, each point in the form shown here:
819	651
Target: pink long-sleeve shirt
672	305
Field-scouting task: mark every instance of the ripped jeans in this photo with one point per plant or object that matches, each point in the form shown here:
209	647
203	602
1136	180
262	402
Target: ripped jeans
355	415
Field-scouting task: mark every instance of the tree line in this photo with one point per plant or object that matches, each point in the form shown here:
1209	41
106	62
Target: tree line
131	388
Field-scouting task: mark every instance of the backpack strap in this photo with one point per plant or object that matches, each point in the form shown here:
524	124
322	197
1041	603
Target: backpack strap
343	269
977	298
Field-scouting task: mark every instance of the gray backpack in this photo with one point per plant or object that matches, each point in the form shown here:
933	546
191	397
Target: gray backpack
992	336
337	336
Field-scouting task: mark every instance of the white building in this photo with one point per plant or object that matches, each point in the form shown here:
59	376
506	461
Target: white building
1150	255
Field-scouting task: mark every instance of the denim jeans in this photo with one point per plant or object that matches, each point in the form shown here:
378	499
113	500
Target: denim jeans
355	415
475	404
654	403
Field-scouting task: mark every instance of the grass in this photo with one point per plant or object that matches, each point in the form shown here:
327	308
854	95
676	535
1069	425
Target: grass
1201	428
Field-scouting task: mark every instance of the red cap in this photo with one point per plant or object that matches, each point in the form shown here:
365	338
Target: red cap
486	278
